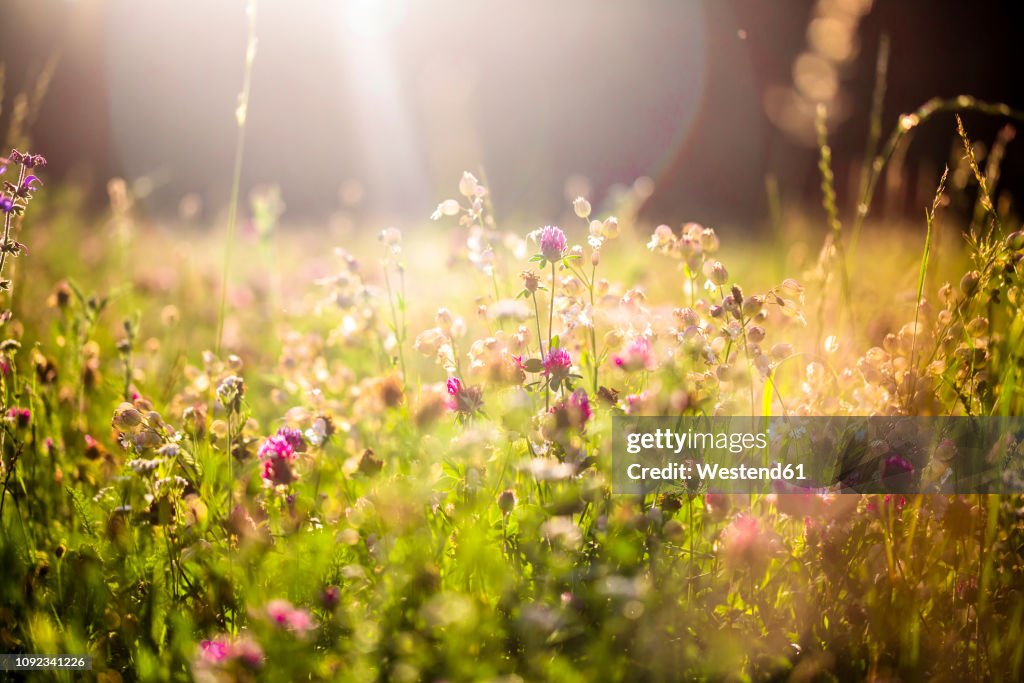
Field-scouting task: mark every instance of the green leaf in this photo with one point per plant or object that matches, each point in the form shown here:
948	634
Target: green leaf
533	365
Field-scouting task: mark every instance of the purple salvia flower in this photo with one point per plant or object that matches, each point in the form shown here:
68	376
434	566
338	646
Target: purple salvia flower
26	184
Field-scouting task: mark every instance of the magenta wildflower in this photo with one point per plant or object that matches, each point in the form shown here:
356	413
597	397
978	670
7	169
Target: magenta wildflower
277	454
552	243
282	613
222	652
897	473
579	401
573	411
557	364
277	447
637	356
214	651
20	416
465	400
249	653
330	597
745	543
294	438
278	611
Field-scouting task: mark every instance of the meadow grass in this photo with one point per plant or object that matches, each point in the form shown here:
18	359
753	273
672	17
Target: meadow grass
391	461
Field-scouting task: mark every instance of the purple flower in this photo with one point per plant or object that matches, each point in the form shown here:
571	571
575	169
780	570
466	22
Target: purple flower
466	401
26	184
330	597
579	402
294	438
277	472
20	416
277	447
552	243
222	652
573	411
557	364
6	205
249	653
278	611
27	160
896	473
282	613
637	356
214	651
277	454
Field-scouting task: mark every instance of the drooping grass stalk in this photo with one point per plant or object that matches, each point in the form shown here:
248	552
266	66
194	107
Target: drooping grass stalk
994	165
984	194
241	115
907	123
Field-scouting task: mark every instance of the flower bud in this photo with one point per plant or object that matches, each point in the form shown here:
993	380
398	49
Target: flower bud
708	240
978	326
752	306
444	319
1015	240
467	185
531	281
969	282
126	417
791	287
582	207
506	501
716	272
610	227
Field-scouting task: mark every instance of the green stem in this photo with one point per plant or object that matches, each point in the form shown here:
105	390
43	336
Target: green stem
241	115
7	223
551	322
